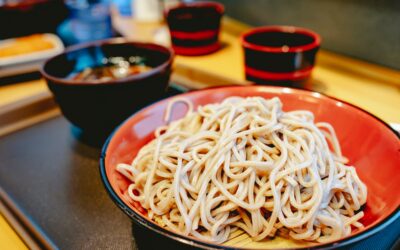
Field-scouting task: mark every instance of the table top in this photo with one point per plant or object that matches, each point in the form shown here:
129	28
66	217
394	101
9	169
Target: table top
8	237
372	87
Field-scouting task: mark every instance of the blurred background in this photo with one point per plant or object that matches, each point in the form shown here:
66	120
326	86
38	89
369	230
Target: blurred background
367	30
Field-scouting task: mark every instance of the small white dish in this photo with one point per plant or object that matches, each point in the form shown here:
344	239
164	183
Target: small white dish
33	56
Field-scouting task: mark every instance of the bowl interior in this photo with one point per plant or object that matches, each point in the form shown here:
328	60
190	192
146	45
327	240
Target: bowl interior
371	146
76	59
276	38
195	16
280	39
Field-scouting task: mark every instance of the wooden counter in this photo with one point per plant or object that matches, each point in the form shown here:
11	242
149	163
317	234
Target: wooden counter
372	87
8	237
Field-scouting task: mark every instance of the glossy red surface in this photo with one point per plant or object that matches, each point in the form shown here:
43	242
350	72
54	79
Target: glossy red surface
196	51
371	146
199	35
295	75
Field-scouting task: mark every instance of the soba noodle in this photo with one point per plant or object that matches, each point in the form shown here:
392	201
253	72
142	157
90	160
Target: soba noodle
245	164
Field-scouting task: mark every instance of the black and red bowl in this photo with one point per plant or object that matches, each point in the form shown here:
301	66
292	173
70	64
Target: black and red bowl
369	144
98	107
194	27
279	55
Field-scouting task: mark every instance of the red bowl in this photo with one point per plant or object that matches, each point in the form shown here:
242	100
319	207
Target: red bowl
369	143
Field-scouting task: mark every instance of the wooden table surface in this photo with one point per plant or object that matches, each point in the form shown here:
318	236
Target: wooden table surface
372	87
9	239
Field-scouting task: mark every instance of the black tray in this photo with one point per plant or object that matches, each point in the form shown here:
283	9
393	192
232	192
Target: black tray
54	179
50	185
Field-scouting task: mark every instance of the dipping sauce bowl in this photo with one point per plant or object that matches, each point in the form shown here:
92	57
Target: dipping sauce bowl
279	55
194	27
97	107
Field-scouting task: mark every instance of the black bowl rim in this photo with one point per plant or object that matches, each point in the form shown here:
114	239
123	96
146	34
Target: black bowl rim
216	5
284	29
208	245
125	80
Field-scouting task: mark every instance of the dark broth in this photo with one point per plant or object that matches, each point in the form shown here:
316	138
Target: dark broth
114	68
279	39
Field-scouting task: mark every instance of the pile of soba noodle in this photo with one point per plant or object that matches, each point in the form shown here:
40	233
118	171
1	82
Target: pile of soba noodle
245	164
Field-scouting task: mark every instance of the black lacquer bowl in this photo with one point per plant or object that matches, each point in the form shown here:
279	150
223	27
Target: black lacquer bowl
194	27
279	55
98	107
370	145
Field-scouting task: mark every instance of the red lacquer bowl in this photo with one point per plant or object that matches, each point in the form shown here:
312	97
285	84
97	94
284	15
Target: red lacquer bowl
370	144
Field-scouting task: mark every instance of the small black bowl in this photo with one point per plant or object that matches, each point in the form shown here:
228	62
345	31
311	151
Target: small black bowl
194	27
279	55
96	108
